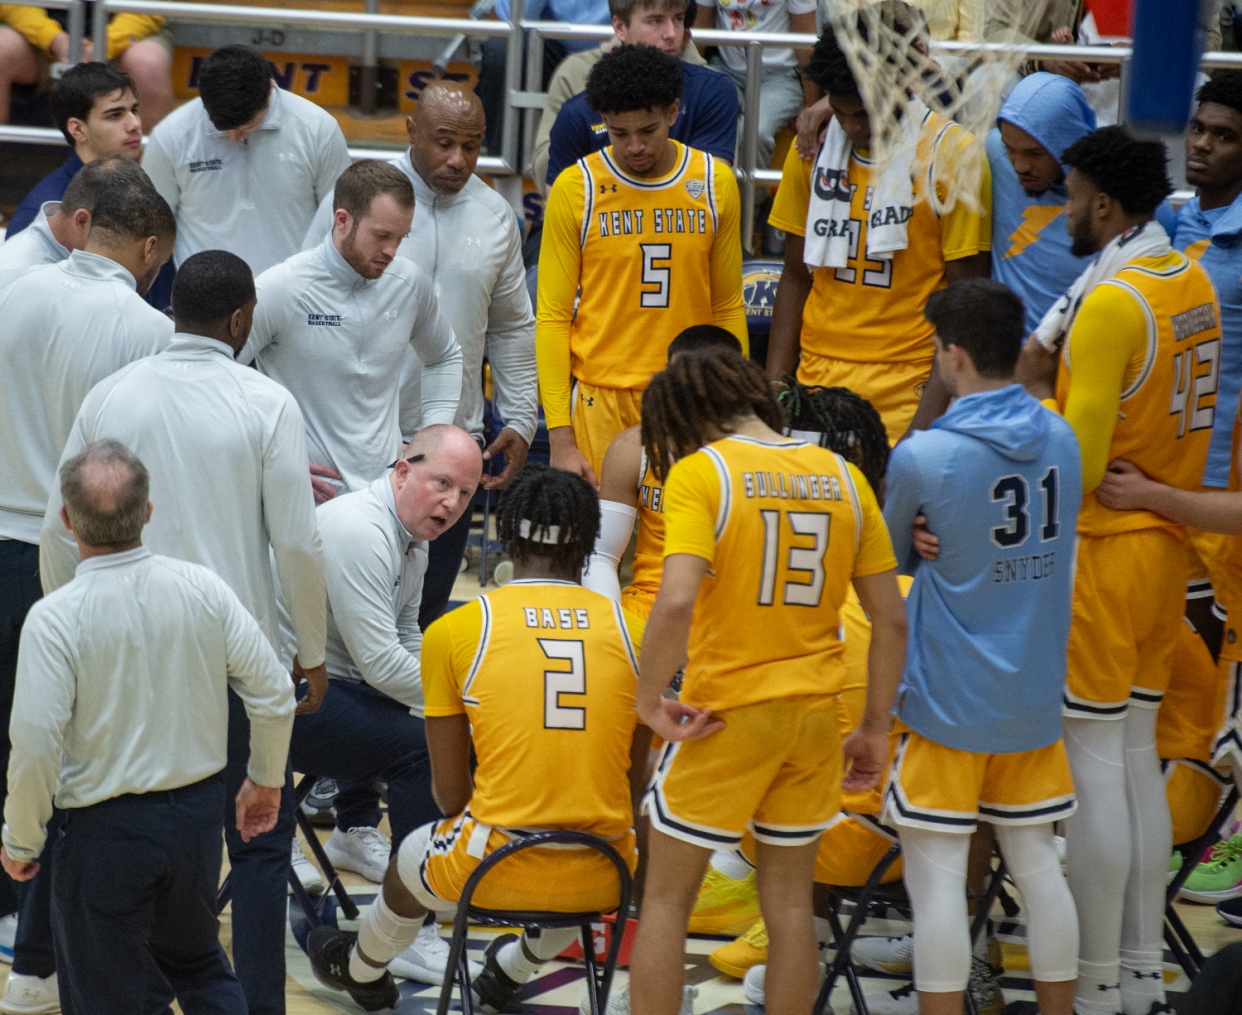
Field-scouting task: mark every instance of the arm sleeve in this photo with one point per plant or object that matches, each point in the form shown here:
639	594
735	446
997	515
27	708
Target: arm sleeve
511	343
125	29
321	224
728	307
560	265
963	232
360	580
333	160
875	549
437	349
43	698
1101	345
448	648
902	504
32	23
263	684
616	523
691	502
159	169
289	513
793	196
716	119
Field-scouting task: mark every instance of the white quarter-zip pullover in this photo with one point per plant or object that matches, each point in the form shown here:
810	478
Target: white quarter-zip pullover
122	684
63	329
337	341
33	246
374	569
226	449
254	197
470	245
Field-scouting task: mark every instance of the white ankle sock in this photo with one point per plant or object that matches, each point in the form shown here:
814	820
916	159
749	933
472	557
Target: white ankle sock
550	943
1098	991
383	935
1142	981
731	864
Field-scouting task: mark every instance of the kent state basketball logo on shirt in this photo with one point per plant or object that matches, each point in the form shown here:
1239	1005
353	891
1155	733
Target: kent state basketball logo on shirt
651	497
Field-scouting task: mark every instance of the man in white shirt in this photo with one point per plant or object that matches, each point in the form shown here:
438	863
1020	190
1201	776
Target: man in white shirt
120	715
245	165
333	325
191	404
61	227
370	726
63	328
467	239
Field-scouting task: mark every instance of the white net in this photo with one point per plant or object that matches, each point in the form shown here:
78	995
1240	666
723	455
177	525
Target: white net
898	73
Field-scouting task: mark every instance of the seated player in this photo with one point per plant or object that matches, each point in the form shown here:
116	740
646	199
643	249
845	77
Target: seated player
508	673
754	742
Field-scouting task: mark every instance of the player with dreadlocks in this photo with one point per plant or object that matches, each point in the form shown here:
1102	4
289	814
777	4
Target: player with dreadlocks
508	673
782	526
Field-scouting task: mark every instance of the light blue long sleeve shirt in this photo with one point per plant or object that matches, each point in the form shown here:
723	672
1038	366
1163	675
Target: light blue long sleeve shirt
999	478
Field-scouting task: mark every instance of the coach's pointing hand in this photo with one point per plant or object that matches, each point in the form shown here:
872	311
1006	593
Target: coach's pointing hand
510	444
257	808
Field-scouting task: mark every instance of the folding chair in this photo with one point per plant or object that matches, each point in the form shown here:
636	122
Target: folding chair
599	982
1176	936
309	907
891	896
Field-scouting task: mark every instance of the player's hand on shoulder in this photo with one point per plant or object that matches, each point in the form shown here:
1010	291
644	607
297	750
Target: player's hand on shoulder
1124	486
811	123
675	720
926	545
866	757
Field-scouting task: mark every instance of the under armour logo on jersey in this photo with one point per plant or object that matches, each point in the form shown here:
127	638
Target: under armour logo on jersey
475	241
603	188
287	157
390	315
589	399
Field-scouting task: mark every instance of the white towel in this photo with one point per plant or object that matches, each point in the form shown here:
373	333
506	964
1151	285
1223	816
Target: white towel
827	242
1145	240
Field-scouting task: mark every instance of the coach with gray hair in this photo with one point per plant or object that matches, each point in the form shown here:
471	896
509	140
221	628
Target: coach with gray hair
120	716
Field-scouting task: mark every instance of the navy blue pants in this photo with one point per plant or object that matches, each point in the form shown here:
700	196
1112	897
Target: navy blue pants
359	735
134	904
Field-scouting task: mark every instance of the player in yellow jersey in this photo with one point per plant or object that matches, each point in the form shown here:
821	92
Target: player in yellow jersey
1136	379
509	673
762	537
640	241
857	320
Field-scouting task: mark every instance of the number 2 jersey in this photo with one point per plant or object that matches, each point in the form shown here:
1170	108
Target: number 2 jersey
1152	332
785	526
546	672
645	259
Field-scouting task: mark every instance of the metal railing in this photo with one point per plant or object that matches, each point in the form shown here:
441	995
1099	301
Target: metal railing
525	100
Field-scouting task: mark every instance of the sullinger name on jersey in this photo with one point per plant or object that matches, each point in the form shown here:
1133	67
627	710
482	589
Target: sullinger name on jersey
663	220
791	486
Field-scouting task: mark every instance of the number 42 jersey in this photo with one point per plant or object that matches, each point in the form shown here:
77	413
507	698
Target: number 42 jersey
785	526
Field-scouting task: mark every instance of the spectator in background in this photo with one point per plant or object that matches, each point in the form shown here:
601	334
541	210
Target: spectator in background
96	108
137	45
785	88
492	87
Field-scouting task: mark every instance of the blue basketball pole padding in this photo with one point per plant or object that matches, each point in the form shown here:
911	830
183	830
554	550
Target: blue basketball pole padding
1168	42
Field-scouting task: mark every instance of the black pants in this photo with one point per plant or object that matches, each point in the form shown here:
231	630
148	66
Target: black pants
134	904
492	89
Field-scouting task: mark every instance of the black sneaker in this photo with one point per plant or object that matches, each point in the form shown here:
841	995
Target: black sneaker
493	987
319	804
1231	910
328	950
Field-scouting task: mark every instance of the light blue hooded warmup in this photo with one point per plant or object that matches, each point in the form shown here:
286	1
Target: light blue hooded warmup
999	478
1030	250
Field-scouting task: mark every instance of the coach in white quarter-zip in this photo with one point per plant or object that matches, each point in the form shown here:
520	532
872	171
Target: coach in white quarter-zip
245	165
333	324
466	237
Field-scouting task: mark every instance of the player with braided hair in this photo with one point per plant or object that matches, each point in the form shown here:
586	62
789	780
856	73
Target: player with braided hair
782	526
507	673
842	421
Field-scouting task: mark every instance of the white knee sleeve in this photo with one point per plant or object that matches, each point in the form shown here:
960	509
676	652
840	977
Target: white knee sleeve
935	877
1051	919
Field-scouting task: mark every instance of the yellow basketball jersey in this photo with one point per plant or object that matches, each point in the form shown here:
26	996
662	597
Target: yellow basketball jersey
785	525
546	672
1231	595
648	566
1168	399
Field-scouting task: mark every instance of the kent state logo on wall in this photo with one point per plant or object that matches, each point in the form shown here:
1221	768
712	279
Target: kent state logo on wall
759	280
322	79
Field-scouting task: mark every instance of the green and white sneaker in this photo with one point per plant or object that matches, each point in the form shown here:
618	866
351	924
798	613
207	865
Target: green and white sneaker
1218	877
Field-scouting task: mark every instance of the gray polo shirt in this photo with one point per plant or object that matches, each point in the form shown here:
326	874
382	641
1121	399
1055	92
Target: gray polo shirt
33	246
226	449
63	328
255	197
122	687
337	341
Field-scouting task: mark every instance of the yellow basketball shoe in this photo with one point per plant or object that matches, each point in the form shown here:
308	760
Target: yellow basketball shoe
725	906
748	950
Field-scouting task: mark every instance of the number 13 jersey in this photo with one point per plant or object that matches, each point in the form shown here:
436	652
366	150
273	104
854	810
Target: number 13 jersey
785	526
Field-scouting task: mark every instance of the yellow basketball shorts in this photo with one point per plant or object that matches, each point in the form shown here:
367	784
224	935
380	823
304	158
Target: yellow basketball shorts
1195	791
894	389
1193	705
1208	550
1129	599
775	769
637	601
946	790
436	859
849	849
598	415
